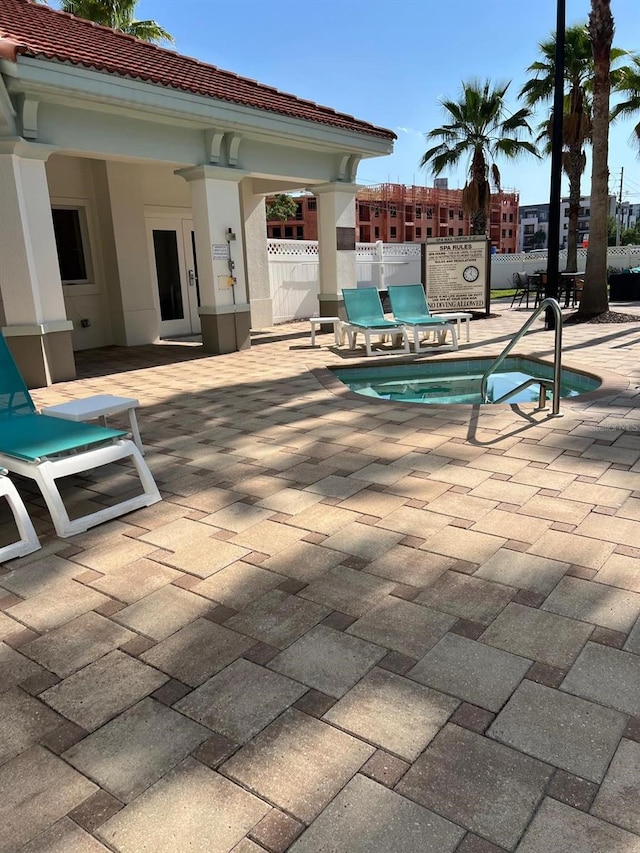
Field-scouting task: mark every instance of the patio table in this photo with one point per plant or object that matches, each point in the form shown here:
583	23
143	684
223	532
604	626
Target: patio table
99	407
459	317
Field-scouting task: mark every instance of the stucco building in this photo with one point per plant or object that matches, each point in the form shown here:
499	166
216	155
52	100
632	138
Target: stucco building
133	182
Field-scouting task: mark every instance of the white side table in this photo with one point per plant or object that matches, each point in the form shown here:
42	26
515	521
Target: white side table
458	316
98	407
338	332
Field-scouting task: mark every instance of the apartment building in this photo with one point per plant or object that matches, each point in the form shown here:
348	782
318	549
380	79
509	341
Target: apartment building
533	223
395	213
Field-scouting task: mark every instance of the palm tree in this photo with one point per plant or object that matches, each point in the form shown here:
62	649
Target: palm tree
601	28
627	83
482	129
117	14
576	126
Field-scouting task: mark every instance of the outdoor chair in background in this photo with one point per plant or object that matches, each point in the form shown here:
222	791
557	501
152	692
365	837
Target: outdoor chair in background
45	448
365	314
28	541
409	306
526	286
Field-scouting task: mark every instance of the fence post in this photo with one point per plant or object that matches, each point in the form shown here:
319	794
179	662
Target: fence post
379	277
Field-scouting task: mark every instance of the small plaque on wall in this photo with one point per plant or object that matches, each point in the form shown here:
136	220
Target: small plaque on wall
220	251
346	239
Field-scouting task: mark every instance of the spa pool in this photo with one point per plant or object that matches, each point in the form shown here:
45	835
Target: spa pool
458	381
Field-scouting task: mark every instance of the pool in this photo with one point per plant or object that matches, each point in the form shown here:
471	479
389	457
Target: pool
458	381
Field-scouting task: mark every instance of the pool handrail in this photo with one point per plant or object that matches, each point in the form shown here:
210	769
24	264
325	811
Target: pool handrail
557	356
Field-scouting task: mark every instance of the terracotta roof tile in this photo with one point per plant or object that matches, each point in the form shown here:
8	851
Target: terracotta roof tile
34	30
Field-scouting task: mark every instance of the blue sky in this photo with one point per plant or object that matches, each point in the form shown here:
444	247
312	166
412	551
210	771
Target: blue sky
390	62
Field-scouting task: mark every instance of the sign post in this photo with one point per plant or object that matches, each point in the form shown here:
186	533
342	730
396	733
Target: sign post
457	273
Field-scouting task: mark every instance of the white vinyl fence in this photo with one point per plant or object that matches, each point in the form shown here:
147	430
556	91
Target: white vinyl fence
294	278
504	266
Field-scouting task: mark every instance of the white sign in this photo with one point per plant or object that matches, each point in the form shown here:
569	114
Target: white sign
456	273
220	251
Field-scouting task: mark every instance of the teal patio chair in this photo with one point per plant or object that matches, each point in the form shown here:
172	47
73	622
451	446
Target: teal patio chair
364	314
45	448
28	541
409	306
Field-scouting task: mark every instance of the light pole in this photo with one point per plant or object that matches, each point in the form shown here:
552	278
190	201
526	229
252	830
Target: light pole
553	251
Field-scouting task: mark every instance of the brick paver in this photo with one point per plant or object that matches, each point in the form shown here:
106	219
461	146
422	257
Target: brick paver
350	624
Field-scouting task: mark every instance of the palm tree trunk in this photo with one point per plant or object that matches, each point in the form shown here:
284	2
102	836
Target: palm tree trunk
574	171
478	217
594	296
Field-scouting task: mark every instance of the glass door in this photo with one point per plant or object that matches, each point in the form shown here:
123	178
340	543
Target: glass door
193	285
172	248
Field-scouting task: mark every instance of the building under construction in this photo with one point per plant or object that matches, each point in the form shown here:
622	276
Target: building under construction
395	213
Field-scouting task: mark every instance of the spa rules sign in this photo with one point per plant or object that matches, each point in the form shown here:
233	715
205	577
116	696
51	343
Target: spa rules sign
457	273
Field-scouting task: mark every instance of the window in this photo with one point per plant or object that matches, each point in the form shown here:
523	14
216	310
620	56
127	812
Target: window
418	233
429	232
504	217
511	217
451	214
299	210
70	229
510	232
311	204
277	232
393	212
460	215
300	232
288	231
450	232
418	212
429	213
376	232
504	232
392	232
376	212
460	232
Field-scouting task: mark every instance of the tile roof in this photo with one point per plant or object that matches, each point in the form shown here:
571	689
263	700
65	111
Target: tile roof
35	30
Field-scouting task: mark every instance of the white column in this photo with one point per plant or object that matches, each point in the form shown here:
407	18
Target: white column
256	256
37	328
336	244
134	316
218	226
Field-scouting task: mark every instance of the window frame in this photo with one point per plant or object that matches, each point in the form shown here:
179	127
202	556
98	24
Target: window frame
82	207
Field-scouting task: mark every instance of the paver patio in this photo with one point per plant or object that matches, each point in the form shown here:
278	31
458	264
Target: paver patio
350	625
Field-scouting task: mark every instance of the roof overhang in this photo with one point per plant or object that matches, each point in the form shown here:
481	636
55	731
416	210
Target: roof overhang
30	79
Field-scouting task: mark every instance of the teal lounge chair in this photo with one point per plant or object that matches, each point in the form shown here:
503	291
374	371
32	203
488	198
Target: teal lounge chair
365	314
28	541
409	305
45	448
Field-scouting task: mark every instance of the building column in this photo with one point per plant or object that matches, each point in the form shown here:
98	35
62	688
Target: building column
36	326
336	244
256	256
224	309
120	207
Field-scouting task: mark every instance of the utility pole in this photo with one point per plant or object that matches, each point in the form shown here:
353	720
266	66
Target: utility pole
556	166
619	216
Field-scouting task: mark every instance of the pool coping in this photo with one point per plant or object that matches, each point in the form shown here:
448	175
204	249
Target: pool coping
612	384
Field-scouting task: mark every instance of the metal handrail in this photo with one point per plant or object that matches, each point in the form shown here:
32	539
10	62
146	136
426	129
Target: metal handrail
557	357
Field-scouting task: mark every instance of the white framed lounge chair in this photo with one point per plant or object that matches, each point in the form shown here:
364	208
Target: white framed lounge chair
45	448
409	305
364	314
28	542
